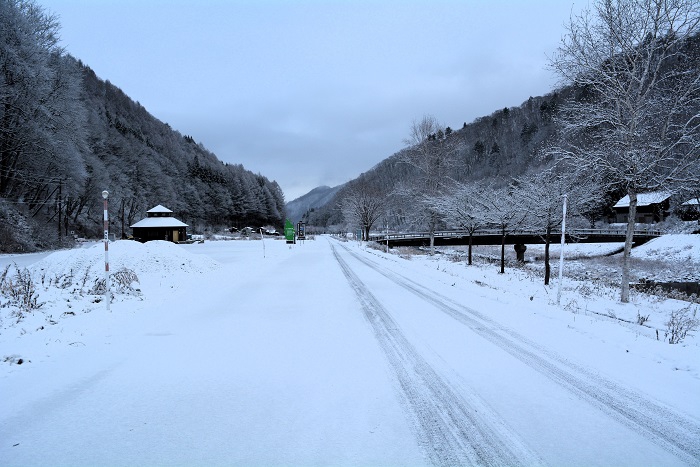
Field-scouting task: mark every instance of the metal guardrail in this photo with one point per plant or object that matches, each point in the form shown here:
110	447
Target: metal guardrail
582	233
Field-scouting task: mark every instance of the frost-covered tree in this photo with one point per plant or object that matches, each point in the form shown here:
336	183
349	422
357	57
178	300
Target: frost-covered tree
462	208
542	196
363	205
503	209
635	118
429	153
41	115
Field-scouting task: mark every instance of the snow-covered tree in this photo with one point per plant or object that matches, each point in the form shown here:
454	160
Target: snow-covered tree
41	115
362	205
429	153
635	118
542	196
503	209
461	208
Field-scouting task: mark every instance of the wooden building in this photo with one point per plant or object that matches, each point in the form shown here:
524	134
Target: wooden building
690	210
160	224
651	207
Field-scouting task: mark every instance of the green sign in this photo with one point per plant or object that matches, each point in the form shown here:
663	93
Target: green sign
289	231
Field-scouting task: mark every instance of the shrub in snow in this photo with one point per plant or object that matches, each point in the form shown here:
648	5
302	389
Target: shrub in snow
19	290
121	282
13	359
376	246
681	323
641	319
124	280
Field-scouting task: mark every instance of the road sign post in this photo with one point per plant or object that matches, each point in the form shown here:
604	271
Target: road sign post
301	230
289	231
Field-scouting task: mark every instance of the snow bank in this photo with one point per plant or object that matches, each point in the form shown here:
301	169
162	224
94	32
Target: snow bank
680	248
591	280
142	258
70	282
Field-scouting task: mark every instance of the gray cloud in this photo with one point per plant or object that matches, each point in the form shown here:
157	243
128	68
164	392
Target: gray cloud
310	93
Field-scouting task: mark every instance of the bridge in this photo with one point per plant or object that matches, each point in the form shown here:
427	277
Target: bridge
525	237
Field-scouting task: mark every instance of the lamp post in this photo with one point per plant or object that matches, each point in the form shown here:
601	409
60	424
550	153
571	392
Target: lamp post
105	195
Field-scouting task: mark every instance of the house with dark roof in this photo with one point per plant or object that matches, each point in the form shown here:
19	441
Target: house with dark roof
651	207
160	224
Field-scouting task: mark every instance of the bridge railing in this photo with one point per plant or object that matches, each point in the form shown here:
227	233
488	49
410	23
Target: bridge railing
522	232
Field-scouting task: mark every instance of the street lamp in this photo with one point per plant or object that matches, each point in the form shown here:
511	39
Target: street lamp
105	195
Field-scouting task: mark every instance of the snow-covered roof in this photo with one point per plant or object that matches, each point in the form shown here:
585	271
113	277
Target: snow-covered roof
159	222
159	208
644	199
691	202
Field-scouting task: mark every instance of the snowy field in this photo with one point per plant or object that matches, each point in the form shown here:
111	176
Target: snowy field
333	353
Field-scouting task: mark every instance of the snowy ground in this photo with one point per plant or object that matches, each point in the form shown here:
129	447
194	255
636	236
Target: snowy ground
244	353
670	258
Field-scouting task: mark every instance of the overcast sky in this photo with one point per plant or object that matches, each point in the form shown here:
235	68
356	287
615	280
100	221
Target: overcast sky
313	93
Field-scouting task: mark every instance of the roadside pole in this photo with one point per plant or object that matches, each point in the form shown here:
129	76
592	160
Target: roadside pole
387	235
561	253
262	239
105	195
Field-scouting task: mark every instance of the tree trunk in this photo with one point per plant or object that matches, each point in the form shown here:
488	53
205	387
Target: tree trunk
629	238
367	233
122	212
469	255
503	251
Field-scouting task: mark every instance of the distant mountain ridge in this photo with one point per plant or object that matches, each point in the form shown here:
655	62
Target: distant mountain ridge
319	196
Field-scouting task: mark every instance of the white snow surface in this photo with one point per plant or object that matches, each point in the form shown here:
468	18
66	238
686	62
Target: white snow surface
159	257
333	353
159	208
678	248
644	199
159	222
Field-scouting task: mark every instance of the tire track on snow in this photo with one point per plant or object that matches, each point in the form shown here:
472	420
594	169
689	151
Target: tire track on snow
450	430
673	431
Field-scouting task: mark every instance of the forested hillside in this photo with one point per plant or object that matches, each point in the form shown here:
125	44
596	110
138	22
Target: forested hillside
67	135
627	122
651	147
505	144
319	196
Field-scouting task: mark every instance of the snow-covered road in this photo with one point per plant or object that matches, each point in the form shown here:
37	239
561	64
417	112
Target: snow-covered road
327	354
450	428
579	414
